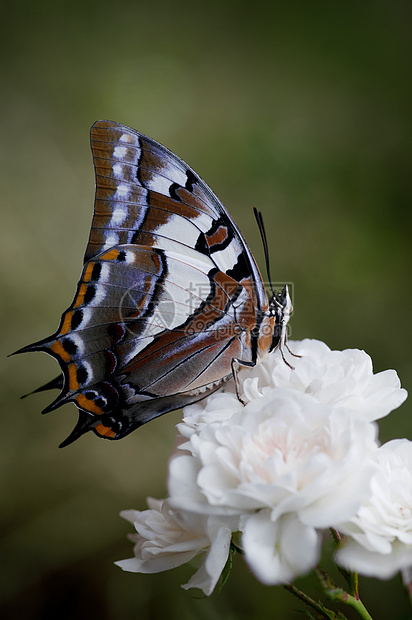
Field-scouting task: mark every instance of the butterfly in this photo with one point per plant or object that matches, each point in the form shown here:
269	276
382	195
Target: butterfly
170	303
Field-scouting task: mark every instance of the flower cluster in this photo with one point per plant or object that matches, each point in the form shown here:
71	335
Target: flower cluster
269	474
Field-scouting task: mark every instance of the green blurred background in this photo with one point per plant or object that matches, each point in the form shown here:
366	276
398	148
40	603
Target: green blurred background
302	109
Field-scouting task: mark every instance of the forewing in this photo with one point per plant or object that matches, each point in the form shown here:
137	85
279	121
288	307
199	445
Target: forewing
147	195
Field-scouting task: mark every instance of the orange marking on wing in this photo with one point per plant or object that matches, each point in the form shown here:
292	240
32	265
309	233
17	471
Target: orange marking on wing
218	237
80	296
110	255
88	404
88	272
266	335
58	349
105	431
67	323
73	383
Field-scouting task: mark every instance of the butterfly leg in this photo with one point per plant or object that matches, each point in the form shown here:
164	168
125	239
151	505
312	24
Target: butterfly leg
284	343
236	366
291	352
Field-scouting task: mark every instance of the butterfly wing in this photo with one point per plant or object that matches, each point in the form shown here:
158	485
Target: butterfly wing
168	296
147	195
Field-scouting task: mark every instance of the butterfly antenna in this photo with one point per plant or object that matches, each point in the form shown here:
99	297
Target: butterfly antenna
259	219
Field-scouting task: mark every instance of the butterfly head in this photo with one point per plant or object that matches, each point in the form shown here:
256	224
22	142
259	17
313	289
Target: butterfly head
280	307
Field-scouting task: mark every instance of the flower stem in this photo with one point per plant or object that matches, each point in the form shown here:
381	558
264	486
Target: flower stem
354	585
350	577
321	609
337	538
334	593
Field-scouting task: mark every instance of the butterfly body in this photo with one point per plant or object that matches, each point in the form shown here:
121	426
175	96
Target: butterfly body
169	295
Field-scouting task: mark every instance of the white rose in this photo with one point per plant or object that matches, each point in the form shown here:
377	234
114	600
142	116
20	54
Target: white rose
284	463
294	460
285	451
167	538
380	534
337	378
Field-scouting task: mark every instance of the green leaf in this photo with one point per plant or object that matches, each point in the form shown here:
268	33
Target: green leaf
228	567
